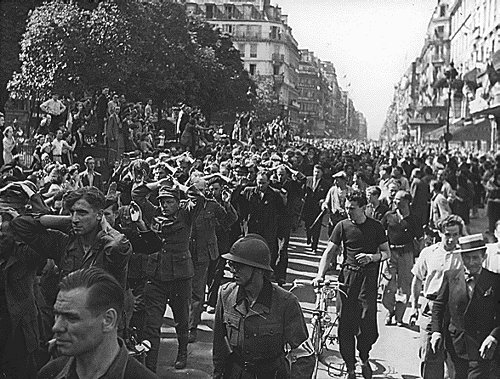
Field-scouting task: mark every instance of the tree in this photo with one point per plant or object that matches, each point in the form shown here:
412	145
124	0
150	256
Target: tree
267	107
143	49
66	48
226	85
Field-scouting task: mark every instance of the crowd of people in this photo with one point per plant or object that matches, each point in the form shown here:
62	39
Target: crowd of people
176	207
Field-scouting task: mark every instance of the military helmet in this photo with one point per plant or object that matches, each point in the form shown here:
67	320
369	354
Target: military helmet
251	250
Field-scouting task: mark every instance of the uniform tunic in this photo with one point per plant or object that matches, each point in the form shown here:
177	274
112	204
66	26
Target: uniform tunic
255	336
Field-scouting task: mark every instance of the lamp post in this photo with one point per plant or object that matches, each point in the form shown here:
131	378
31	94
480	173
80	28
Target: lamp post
450	74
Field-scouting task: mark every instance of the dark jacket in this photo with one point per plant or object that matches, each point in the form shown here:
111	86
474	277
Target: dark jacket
263	213
260	335
84	176
111	250
174	261
18	264
471	320
203	244
313	199
124	366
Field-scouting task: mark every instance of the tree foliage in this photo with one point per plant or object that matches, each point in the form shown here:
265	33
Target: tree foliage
267	106
144	49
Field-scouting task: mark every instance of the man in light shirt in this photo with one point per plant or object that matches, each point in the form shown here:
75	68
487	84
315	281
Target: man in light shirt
492	261
429	269
53	106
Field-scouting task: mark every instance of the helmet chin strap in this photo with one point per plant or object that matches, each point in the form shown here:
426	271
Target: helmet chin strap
250	279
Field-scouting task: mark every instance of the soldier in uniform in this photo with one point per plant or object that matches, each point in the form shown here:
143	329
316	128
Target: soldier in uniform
169	271
254	319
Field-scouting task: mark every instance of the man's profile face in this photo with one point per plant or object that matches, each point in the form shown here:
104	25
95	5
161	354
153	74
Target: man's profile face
450	237
76	329
400	201
242	274
84	218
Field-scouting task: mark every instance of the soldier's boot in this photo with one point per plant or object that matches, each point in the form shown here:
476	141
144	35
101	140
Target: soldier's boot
181	360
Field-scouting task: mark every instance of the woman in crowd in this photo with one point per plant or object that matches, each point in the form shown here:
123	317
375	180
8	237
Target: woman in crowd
9	144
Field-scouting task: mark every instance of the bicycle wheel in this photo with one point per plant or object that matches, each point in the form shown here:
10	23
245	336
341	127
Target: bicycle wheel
316	339
317	335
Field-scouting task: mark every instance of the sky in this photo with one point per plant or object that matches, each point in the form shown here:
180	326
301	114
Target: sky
370	42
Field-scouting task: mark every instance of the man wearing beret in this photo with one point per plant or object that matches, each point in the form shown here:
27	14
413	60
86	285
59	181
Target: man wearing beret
471	297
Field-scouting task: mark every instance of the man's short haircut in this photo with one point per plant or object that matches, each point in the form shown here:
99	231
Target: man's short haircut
91	195
374	190
263	173
319	167
394	181
104	290
357	196
451	220
404	195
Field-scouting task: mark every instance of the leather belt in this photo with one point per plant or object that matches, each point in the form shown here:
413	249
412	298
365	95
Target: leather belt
257	366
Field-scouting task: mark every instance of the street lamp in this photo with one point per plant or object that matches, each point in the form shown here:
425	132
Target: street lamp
450	74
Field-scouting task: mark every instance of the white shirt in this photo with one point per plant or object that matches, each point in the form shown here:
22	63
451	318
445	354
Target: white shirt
53	107
492	261
432	264
57	147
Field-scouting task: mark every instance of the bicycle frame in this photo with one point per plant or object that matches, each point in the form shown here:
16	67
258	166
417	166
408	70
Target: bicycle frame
321	320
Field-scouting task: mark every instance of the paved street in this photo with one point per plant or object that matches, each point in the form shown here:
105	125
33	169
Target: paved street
395	354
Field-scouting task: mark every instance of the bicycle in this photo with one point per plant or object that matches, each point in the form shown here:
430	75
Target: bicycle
324	322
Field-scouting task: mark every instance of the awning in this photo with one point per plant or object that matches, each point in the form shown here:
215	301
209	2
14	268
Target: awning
438	133
478	129
470	79
495	111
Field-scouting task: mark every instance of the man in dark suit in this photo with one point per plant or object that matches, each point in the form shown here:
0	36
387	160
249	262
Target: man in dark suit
262	207
315	190
471	297
90	177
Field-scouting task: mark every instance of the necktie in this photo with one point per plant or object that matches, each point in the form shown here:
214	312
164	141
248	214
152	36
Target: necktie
470	281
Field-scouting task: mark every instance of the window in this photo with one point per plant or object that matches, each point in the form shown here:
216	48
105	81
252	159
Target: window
276	69
227	28
209	11
229	10
274	32
253	68
241	48
442	11
253	50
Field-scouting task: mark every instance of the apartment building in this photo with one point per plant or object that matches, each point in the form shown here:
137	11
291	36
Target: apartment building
261	33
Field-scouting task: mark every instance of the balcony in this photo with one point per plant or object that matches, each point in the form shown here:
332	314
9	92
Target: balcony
278	58
437	58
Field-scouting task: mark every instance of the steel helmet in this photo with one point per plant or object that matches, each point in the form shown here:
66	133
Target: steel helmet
251	250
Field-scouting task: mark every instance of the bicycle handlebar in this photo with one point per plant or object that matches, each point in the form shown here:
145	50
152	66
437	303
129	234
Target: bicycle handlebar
308	282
